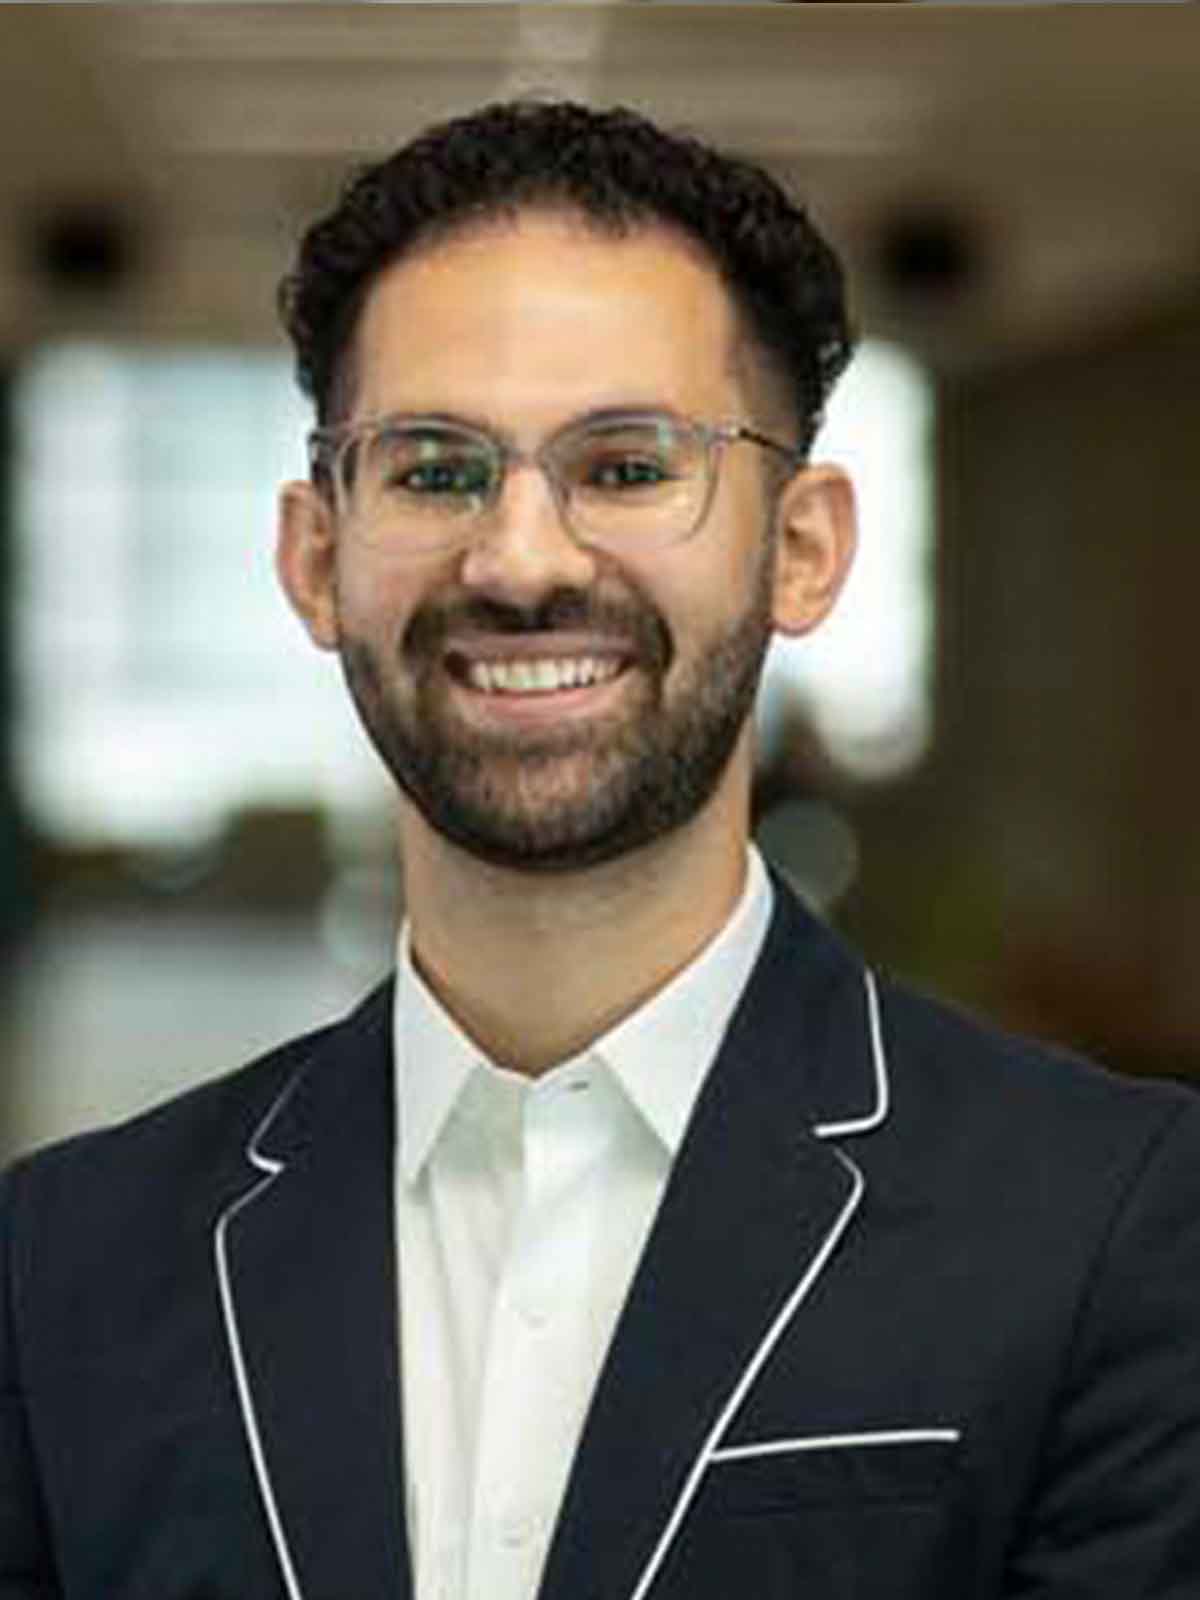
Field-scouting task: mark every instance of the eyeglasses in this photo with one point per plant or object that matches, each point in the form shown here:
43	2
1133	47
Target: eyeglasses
620	479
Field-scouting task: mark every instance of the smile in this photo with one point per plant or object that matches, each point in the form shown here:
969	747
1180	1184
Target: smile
541	676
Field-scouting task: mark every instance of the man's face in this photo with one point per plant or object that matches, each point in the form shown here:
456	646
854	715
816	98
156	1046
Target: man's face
519	328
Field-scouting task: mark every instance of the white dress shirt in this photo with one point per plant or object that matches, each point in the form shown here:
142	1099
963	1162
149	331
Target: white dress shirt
522	1207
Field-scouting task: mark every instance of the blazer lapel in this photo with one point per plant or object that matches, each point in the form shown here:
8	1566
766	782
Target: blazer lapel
753	1213
305	1261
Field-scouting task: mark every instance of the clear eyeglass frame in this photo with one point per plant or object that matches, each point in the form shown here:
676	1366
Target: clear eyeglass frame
333	450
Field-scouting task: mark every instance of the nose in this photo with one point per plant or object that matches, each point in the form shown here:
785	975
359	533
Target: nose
523	549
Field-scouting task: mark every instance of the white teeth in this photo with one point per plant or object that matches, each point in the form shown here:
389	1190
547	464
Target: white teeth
540	677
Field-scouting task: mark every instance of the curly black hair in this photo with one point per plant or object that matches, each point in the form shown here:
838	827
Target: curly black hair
618	171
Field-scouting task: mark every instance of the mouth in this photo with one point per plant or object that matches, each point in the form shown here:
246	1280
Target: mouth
516	678
535	675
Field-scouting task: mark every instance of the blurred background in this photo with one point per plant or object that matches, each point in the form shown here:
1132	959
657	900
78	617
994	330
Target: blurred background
987	770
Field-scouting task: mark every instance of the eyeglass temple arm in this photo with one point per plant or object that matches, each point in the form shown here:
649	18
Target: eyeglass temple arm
738	430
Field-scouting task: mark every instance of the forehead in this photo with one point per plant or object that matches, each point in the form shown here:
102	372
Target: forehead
542	317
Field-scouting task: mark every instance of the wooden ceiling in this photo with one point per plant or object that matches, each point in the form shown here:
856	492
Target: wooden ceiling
1002	177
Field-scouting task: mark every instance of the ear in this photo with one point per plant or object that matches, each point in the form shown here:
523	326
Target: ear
817	535
306	560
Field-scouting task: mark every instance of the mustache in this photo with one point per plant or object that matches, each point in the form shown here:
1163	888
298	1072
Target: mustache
568	610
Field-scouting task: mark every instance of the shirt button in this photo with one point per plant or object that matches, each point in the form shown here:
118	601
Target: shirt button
518	1528
534	1313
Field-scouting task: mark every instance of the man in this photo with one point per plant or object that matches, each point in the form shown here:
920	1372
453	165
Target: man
637	1241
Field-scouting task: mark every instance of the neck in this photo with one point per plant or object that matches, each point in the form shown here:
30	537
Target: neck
534	968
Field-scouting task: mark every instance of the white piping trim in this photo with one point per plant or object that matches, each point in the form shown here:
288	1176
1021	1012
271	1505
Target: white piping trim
271	1168
750	1373
878	1115
837	1441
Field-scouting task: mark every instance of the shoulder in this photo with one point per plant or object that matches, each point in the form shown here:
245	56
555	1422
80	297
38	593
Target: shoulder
193	1135
921	1071
1016	1115
114	1230
956	1052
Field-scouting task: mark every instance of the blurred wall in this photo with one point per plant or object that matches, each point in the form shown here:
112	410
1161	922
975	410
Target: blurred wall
1046	866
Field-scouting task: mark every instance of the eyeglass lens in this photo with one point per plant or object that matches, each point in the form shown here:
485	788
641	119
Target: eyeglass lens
627	479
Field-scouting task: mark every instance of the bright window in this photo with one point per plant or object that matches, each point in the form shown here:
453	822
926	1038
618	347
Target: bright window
863	678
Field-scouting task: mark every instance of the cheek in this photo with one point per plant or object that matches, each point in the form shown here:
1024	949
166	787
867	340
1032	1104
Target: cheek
704	590
376	597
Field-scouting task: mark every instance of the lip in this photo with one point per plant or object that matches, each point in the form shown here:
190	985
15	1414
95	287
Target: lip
535	647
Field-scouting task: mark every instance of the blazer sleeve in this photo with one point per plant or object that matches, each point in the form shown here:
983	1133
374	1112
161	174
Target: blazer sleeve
26	1563
1116	1515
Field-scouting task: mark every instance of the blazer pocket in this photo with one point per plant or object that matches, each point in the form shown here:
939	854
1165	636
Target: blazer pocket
779	1475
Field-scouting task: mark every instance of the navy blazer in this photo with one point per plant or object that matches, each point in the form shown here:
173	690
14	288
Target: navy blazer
918	1319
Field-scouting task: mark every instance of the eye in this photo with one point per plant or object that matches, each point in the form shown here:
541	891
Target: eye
449	476
431	467
624	470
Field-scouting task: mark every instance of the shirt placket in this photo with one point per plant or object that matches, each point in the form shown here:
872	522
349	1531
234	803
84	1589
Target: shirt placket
534	1388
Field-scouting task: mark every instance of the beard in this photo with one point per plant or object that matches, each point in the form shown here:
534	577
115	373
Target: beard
569	796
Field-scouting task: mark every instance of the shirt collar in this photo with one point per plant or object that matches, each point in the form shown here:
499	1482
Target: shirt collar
659	1055
434	1062
662	1052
